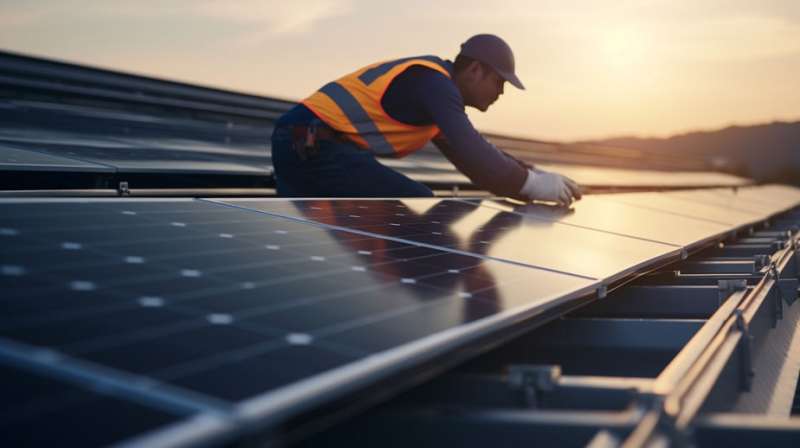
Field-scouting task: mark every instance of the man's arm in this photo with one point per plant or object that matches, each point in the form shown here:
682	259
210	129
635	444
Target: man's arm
486	169
482	162
462	144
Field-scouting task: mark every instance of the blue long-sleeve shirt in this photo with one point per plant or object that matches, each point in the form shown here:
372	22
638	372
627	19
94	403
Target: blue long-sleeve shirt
423	96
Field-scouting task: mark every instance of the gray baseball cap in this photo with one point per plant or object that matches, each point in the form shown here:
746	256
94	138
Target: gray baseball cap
495	52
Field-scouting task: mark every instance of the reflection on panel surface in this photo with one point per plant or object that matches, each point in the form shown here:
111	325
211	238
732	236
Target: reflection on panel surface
194	293
17	159
666	202
157	154
599	213
763	201
609	176
483	230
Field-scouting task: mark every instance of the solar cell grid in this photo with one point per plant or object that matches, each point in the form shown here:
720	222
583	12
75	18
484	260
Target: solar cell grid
687	207
156	160
141	155
37	410
600	212
206	296
19	159
23	135
468	227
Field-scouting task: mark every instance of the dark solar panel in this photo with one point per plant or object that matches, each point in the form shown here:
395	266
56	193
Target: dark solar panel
25	160
487	230
41	411
262	307
144	157
601	212
232	303
138	141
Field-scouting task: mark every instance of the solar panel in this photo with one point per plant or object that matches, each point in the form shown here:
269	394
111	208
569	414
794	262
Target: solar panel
598	212
728	200
214	304
38	410
480	229
143	142
688	207
586	174
23	160
142	157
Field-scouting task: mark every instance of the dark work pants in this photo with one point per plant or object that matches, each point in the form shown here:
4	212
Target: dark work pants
338	169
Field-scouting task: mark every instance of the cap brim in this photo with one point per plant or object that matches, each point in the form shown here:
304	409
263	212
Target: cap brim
512	78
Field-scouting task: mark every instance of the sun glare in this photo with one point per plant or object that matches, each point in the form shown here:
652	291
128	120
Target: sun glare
623	49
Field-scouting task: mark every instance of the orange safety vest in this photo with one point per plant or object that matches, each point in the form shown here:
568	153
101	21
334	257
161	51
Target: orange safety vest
351	106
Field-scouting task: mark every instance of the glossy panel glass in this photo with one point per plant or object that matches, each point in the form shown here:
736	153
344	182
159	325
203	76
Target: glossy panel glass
481	230
245	376
666	202
156	160
18	159
730	200
605	176
139	142
766	199
131	158
187	290
40	411
599	213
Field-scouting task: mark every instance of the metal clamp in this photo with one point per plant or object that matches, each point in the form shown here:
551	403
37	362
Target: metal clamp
728	287
122	189
746	372
761	261
533	380
778	303
773	271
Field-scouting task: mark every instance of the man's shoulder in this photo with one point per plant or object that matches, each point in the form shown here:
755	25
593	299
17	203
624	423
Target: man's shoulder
426	77
419	64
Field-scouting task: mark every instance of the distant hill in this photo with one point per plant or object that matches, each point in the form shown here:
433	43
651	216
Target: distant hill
768	152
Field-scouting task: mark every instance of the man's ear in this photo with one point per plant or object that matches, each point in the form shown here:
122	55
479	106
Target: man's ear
475	68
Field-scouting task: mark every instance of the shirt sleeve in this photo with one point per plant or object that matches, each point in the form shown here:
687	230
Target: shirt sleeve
482	162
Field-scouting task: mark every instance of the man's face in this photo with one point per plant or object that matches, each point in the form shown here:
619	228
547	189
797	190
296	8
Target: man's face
480	86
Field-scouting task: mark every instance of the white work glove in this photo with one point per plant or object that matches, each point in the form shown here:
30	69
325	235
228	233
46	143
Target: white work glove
545	186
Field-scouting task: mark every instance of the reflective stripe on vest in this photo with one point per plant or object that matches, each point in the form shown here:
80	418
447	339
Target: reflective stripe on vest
352	106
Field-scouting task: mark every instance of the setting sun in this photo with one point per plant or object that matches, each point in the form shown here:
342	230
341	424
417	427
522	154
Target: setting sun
623	49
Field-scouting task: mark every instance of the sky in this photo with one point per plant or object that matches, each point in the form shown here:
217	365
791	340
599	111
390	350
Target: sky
592	68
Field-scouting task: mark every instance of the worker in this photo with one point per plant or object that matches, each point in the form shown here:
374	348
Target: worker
326	146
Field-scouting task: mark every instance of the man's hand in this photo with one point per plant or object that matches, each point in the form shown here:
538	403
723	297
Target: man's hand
546	186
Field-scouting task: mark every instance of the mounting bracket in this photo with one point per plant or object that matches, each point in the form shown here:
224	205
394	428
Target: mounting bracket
533	380
746	372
